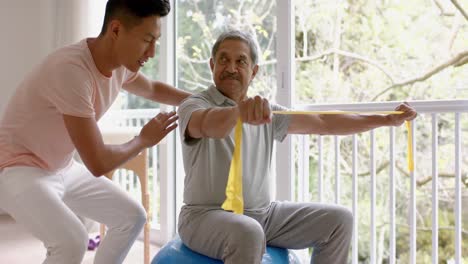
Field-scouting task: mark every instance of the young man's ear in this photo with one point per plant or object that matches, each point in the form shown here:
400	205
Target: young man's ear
114	28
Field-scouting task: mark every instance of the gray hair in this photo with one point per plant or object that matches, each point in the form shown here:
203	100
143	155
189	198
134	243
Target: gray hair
238	35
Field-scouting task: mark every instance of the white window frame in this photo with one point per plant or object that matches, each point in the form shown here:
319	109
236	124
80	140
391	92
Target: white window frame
285	94
166	73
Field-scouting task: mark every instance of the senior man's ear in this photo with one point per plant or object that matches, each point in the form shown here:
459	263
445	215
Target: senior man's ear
254	72
211	64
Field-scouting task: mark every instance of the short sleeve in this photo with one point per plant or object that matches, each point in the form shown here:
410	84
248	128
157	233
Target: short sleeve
280	123
71	91
186	109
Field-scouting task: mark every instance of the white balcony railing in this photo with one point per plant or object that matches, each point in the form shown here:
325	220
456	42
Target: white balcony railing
341	152
158	168
384	155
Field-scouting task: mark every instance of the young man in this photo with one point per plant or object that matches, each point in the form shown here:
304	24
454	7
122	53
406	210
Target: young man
55	111
206	124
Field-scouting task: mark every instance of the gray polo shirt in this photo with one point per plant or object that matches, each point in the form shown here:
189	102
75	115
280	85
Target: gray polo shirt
207	160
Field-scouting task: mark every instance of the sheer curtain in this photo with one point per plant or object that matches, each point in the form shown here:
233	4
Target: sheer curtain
77	19
71	23
55	23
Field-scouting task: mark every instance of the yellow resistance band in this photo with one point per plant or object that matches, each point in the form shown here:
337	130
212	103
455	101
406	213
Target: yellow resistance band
234	199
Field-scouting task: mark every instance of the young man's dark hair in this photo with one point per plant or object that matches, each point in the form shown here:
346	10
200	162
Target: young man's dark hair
130	12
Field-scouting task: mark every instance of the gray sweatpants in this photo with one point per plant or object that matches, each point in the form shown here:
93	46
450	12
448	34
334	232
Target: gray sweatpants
237	239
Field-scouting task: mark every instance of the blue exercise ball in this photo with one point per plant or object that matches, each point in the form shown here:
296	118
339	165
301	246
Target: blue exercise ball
176	252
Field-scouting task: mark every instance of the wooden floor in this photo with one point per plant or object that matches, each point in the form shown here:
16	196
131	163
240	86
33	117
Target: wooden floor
19	247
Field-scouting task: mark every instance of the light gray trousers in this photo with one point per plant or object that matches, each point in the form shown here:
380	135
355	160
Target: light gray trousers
47	204
237	239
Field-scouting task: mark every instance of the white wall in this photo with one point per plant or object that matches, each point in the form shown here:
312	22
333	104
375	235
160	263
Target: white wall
31	29
27	29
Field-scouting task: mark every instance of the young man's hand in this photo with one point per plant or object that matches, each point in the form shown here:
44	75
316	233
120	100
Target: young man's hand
255	111
157	128
408	114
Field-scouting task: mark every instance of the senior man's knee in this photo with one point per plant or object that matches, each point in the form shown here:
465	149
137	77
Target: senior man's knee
247	234
246	243
343	218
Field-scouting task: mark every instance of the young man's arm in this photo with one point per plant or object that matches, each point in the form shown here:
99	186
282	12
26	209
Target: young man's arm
100	158
347	124
156	91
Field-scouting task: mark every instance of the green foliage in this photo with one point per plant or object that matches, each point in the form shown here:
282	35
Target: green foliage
404	38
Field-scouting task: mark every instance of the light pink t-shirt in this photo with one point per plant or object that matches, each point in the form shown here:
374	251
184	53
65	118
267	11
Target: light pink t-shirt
32	130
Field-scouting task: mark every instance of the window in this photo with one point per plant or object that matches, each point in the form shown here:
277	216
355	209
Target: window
200	22
342	52
364	51
378	51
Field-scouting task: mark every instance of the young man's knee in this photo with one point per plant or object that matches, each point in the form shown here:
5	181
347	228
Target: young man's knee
136	218
70	248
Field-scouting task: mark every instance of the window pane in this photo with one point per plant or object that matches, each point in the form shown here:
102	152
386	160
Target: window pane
379	44
200	22
151	70
365	51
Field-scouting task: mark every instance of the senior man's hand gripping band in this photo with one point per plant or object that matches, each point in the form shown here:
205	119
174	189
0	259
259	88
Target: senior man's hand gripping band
234	201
